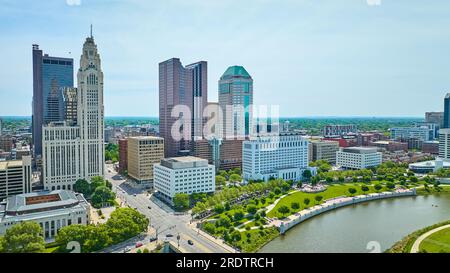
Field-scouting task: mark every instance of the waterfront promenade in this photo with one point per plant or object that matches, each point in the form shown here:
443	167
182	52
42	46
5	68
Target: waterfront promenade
331	204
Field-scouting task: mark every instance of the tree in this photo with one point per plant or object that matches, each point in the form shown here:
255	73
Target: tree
378	187
318	198
390	185
125	223
234	178
277	190
285	186
295	205
251	209
82	186
307	174
97	181
219	209
220	180
352	191
236	236
364	188
238	215
306	201
102	195
181	201
284	210
25	237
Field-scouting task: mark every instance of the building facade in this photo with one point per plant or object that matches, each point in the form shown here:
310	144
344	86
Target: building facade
15	177
51	210
339	130
143	153
324	150
49	75
183	175
77	152
358	158
444	144
446	112
236	102
282	156
185	87
423	133
123	155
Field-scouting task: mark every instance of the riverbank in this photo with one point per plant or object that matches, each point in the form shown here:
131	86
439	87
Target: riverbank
405	245
331	204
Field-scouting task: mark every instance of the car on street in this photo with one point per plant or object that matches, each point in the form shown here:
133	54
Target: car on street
149	207
190	242
169	235
134	195
127	249
153	239
139	244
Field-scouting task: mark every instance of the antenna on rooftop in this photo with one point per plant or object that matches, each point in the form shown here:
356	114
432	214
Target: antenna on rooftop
91	32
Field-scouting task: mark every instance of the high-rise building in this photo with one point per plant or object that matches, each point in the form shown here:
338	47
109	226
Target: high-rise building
143	153
15	177
74	152
435	117
446	124
236	102
224	154
444	144
283	155
70	105
185	87
123	155
1	126
49	75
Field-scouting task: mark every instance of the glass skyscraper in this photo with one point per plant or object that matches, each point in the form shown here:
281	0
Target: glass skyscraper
50	75
236	100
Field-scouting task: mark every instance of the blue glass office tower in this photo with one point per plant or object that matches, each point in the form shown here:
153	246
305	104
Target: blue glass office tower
50	75
236	94
447	112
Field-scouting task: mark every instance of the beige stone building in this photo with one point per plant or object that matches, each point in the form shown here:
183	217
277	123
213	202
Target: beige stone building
143	153
325	150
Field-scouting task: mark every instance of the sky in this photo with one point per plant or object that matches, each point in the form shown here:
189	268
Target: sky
310	57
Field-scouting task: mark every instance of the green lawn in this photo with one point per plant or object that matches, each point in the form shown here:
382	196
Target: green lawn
433	190
258	238
438	242
333	190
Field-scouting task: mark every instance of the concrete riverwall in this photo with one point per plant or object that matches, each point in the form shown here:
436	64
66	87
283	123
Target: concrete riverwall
335	203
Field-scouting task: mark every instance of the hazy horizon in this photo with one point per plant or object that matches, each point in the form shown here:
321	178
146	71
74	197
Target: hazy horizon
313	58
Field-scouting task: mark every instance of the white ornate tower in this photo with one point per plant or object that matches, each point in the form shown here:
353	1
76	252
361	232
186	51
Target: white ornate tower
91	111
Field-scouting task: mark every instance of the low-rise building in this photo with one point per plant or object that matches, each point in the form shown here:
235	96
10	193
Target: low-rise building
390	146
15	177
423	133
431	147
51	210
358	158
143	152
185	174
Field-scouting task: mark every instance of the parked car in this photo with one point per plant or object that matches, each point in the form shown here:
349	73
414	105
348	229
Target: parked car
169	235
153	239
190	242
139	244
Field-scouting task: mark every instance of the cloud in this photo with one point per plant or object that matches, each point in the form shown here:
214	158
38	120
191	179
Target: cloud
73	2
373	2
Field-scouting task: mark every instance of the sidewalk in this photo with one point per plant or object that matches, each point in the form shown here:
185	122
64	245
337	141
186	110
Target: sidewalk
219	242
416	246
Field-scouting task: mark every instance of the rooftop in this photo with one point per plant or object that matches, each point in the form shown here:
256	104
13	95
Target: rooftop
10	164
235	71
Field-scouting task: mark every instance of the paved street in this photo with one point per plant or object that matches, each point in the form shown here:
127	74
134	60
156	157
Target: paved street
163	219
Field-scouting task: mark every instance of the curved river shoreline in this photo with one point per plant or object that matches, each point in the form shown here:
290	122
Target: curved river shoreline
350	229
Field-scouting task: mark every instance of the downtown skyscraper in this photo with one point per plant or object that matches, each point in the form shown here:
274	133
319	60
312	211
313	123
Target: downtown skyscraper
50	74
72	152
186	88
236	100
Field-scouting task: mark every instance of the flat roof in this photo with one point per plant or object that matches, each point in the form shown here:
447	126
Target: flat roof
184	159
145	138
10	164
18	203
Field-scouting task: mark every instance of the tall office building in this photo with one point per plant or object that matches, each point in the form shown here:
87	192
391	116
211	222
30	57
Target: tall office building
236	100
49	74
1	126
283	155
143	153
435	117
181	86
444	144
70	105
447	112
71	152
15	177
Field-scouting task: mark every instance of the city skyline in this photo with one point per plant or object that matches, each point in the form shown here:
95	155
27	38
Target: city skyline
318	63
